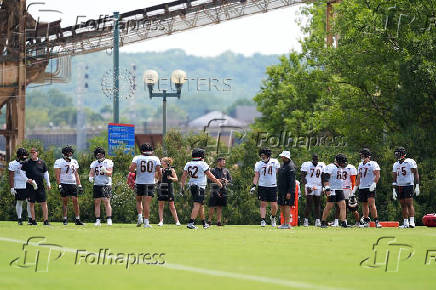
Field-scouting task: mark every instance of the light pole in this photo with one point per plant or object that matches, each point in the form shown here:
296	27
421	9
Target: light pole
151	77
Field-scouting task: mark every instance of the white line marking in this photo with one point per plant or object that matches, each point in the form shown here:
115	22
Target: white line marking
216	273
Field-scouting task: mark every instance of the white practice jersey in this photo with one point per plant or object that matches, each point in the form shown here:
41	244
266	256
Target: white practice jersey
145	168
366	173
336	176
19	181
313	175
68	170
404	172
267	172
348	171
99	177
197	173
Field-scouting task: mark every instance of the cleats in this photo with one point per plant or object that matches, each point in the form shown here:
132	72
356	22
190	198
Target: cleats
191	226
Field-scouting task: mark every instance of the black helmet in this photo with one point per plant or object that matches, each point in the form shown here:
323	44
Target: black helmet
341	160
265	151
365	152
198	153
352	202
400	153
22	154
99	150
67	149
146	148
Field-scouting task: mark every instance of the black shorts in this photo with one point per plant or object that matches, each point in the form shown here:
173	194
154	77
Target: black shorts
144	189
364	194
22	194
349	208
165	192
283	201
339	196
405	191
38	195
218	199
268	194
197	193
102	191
68	190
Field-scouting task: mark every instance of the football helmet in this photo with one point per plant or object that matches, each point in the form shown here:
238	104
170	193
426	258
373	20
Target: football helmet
341	160
67	152
97	151
22	154
352	201
364	153
400	153
198	153
146	148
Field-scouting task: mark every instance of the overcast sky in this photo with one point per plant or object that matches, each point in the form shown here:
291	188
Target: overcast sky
274	32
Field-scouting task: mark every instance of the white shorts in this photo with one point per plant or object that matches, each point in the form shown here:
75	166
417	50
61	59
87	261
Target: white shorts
347	193
315	192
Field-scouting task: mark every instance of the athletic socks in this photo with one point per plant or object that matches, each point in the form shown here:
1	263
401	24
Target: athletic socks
412	220
29	213
19	208
203	222
191	221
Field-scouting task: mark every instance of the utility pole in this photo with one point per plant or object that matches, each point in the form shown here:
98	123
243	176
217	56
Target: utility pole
116	54
81	116
329	19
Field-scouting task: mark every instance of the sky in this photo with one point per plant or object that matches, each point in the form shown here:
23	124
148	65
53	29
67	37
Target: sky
275	32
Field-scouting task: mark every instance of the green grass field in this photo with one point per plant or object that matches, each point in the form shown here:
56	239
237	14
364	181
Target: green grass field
229	257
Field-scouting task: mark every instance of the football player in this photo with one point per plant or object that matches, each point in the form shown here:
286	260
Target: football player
405	183
311	175
18	184
166	190
367	179
146	166
67	178
333	177
265	173
198	172
350	173
101	175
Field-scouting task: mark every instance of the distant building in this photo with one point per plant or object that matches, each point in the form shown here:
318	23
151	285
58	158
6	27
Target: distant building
215	119
247	113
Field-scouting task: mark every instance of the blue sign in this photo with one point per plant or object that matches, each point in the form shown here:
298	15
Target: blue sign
121	136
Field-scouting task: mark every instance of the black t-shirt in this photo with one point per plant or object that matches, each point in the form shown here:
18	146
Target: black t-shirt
286	178
35	170
221	173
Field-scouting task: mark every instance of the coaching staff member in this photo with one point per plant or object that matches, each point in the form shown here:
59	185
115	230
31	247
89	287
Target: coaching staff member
218	197
286	187
36	170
